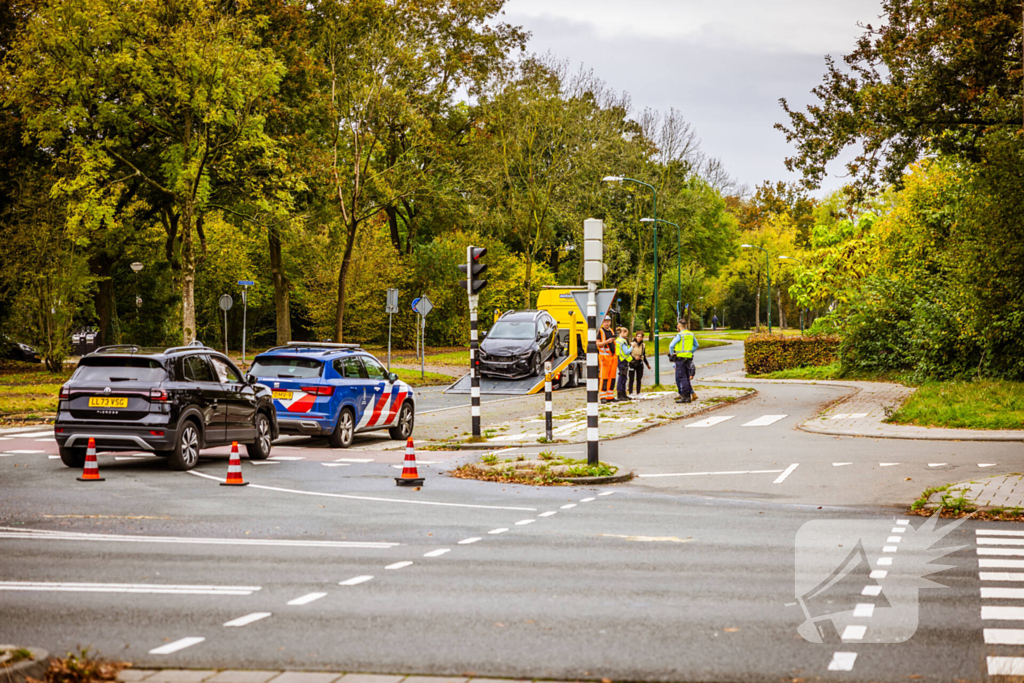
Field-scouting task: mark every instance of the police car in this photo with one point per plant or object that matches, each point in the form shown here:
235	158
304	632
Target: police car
334	390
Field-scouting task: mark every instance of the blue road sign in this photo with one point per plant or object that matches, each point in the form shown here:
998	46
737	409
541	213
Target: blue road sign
246	283
414	302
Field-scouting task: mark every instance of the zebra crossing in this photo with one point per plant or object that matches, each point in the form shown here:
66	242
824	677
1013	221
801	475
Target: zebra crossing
999	552
763	421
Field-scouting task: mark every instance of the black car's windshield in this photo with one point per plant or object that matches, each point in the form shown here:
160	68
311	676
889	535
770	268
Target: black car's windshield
119	370
288	368
506	329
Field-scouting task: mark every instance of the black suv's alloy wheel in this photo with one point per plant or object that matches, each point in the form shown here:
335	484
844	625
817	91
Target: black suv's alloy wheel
186	452
260	449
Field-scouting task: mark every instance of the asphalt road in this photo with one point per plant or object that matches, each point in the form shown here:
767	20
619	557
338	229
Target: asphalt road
671	578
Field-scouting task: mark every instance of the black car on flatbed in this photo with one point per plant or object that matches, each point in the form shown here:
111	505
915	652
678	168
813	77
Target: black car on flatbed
172	402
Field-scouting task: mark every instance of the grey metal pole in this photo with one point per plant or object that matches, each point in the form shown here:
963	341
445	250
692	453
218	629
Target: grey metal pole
593	455
225	333
245	310
423	336
389	338
547	402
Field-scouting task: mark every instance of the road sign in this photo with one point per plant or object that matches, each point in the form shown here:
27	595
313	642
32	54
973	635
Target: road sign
392	304
604	302
415	303
226	302
247	283
424	305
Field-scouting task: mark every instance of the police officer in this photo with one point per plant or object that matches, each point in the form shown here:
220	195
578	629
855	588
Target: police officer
623	353
681	350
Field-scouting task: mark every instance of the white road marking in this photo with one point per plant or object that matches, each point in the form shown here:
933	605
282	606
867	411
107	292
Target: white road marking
247	619
587	500
841	464
176	645
987	464
549	513
1004	636
355	580
524	522
1009	552
568	506
890	548
764	421
842	661
838	416
902	522
34	435
48	439
1001	564
871	591
40	535
1001	576
864	609
306	599
286	457
993	593
371	498
995	540
854	632
23	452
143	588
262	462
998	612
437	553
399	565
888	464
467	541
127	457
698	474
498	531
606	493
53	457
336	464
884	561
997	532
361	460
1005	666
710	422
898	530
894	539
937	464
878	574
789	470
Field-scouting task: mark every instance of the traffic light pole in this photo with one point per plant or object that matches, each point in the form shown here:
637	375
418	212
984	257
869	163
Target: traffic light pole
474	374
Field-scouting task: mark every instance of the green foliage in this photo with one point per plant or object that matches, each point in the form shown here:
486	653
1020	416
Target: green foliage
764	353
980	404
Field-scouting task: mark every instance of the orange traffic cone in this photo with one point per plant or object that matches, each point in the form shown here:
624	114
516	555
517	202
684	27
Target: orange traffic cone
234	468
410	477
91	472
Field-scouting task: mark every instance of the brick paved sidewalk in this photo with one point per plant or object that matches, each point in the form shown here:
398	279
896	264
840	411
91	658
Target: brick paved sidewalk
1004	491
243	676
864	410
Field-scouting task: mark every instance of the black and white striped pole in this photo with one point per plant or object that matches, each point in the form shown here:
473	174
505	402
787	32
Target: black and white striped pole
472	268
547	402
593	273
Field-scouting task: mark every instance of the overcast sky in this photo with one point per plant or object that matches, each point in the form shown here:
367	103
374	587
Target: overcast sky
723	63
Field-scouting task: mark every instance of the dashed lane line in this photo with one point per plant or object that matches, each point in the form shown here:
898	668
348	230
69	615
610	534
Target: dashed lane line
606	493
137	588
549	513
524	522
247	619
41	535
842	661
467	541
788	471
356	580
399	565
709	422
176	645
587	500
399	501
437	553
764	421
306	599
701	474
569	506
498	531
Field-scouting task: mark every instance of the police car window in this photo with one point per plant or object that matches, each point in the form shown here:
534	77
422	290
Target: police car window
225	373
374	369
350	368
197	369
283	367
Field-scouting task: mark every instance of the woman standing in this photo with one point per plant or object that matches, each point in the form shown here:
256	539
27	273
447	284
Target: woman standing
638	350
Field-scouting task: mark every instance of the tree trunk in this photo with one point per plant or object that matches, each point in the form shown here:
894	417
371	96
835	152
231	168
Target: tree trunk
99	267
396	237
782	313
281	305
188	275
346	260
529	280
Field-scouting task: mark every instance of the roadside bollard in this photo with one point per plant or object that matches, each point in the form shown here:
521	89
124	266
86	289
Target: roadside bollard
547	402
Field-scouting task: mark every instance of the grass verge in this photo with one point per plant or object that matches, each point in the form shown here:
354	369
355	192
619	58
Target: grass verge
826	372
981	404
430	379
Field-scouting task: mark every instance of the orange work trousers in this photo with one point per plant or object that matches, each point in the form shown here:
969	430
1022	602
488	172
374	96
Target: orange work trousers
609	372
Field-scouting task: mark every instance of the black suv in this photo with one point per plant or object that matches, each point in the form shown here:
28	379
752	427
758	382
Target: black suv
172	402
518	345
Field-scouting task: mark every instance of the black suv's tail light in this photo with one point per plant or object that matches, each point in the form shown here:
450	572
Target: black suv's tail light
64	392
319	391
156	433
158	395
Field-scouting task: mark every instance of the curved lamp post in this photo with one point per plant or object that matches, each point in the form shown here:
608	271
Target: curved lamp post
768	265
654	331
791	258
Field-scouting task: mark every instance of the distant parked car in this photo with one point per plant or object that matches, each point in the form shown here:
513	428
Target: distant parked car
172	402
519	344
13	350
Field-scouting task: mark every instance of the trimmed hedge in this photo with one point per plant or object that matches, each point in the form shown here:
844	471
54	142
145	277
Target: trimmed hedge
764	353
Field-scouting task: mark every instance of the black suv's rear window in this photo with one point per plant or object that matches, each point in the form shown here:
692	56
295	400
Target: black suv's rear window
287	368
119	370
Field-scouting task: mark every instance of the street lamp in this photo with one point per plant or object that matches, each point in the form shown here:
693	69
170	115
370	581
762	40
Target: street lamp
768	265
791	258
679	259
136	266
654	331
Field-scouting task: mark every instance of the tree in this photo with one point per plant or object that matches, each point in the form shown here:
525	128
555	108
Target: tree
165	95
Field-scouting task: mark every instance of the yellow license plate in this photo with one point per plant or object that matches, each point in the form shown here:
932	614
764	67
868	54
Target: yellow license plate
283	395
107	402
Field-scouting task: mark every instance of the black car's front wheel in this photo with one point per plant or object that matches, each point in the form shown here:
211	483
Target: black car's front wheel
403	427
72	457
186	450
536	367
345	431
260	449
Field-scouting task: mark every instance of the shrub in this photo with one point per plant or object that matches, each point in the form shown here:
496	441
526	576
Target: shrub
764	353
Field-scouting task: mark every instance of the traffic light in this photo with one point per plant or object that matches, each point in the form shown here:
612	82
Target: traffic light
473	268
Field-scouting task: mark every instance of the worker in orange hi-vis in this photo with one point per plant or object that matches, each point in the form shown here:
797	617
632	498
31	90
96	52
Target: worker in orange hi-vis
609	363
